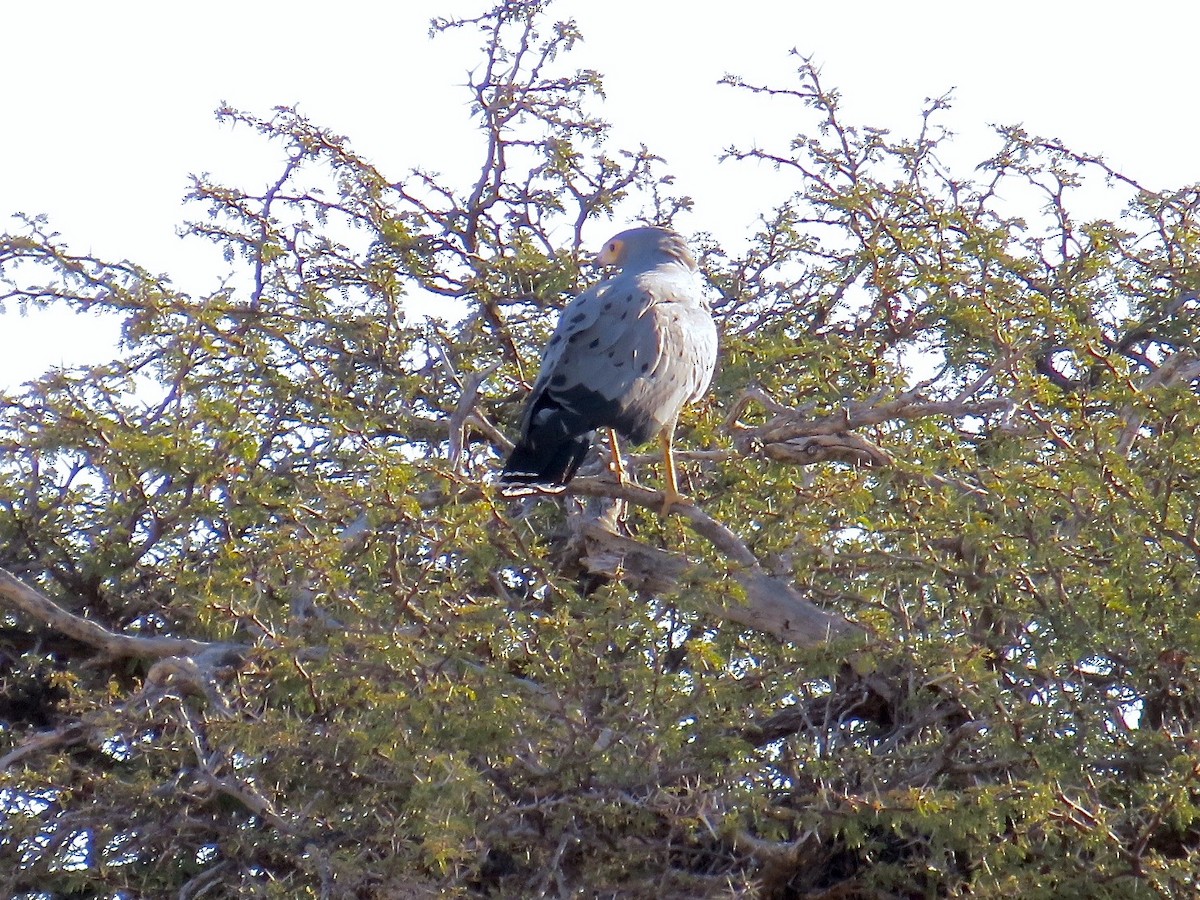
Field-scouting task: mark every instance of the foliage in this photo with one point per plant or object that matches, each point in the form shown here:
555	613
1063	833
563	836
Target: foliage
334	662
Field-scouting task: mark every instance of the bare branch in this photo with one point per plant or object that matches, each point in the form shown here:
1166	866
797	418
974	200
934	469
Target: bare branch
17	595
1181	368
770	605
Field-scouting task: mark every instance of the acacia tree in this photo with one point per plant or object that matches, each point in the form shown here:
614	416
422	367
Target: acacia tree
929	629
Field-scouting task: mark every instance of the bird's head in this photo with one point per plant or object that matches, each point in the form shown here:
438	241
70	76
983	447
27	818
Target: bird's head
647	247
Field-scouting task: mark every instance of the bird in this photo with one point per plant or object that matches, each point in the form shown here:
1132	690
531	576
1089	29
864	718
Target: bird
627	354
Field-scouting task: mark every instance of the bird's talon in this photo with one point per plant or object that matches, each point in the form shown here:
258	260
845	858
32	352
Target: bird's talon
672	499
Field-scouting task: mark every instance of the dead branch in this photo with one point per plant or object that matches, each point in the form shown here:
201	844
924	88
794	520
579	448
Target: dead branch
64	735
466	414
770	605
17	595
171	675
841	447
855	450
792	424
182	665
1181	368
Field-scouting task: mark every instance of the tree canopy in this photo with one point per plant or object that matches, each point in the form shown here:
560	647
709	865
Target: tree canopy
931	627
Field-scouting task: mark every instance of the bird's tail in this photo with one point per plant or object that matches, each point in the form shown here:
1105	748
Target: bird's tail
546	464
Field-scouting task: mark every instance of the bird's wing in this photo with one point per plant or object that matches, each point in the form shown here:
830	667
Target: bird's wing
603	339
600	314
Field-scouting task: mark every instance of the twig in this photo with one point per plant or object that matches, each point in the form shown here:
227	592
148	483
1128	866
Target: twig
465	414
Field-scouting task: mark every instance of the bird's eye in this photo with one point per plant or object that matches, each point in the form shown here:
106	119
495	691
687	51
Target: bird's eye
612	248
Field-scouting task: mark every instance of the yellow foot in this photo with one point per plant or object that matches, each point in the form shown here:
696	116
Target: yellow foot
672	498
615	466
671	495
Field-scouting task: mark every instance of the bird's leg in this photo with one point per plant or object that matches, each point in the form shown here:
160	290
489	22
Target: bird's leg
671	495
617	467
622	507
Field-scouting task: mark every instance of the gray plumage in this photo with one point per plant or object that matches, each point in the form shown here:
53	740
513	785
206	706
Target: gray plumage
627	354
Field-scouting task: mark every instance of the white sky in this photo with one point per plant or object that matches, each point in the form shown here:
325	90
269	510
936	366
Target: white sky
108	106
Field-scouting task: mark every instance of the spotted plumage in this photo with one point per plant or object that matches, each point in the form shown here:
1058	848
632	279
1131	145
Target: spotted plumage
627	354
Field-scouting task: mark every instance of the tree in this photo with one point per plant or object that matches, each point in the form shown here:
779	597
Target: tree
930	629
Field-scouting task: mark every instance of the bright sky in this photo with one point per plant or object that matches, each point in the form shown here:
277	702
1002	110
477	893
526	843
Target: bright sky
108	106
